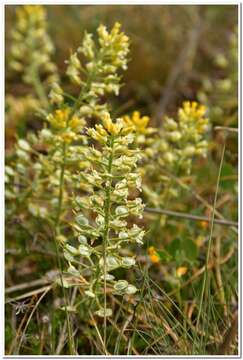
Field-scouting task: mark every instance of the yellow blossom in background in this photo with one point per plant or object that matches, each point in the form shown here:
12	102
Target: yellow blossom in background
192	109
153	255
32	48
69	125
116	40
181	140
59	118
68	137
112	128
204	224
140	126
109	127
140	123
192	112
200	240
36	12
180	271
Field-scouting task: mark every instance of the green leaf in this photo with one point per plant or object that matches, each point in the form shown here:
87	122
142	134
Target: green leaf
174	247
190	249
164	255
227	171
182	249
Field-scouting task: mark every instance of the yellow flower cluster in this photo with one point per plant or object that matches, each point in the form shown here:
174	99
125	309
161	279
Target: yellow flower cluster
108	127
220	93
138	122
112	183
73	69
56	94
69	125
192	112
59	118
96	71
31	46
193	109
116	43
30	15
178	143
142	131
153	255
104	60
181	140
180	271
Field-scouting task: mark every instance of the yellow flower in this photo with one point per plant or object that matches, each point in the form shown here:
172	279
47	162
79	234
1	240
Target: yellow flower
59	119
76	123
153	255
62	114
99	134
138	122
34	12
180	271
200	240
31	46
117	43
112	128
192	110
204	224
68	137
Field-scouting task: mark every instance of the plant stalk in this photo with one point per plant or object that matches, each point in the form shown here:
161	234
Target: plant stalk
106	230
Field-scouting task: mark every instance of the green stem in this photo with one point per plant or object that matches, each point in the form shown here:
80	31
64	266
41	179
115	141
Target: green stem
61	187
106	228
42	95
205	278
40	91
76	105
58	218
57	232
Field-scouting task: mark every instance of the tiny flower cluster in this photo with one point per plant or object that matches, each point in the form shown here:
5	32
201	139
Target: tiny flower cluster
105	59
59	144
22	183
32	48
65	125
178	143
65	137
220	94
142	130
183	139
153	255
98	74
112	172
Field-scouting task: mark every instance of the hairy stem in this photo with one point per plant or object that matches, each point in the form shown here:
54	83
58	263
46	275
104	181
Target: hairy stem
57	232
58	217
106	228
